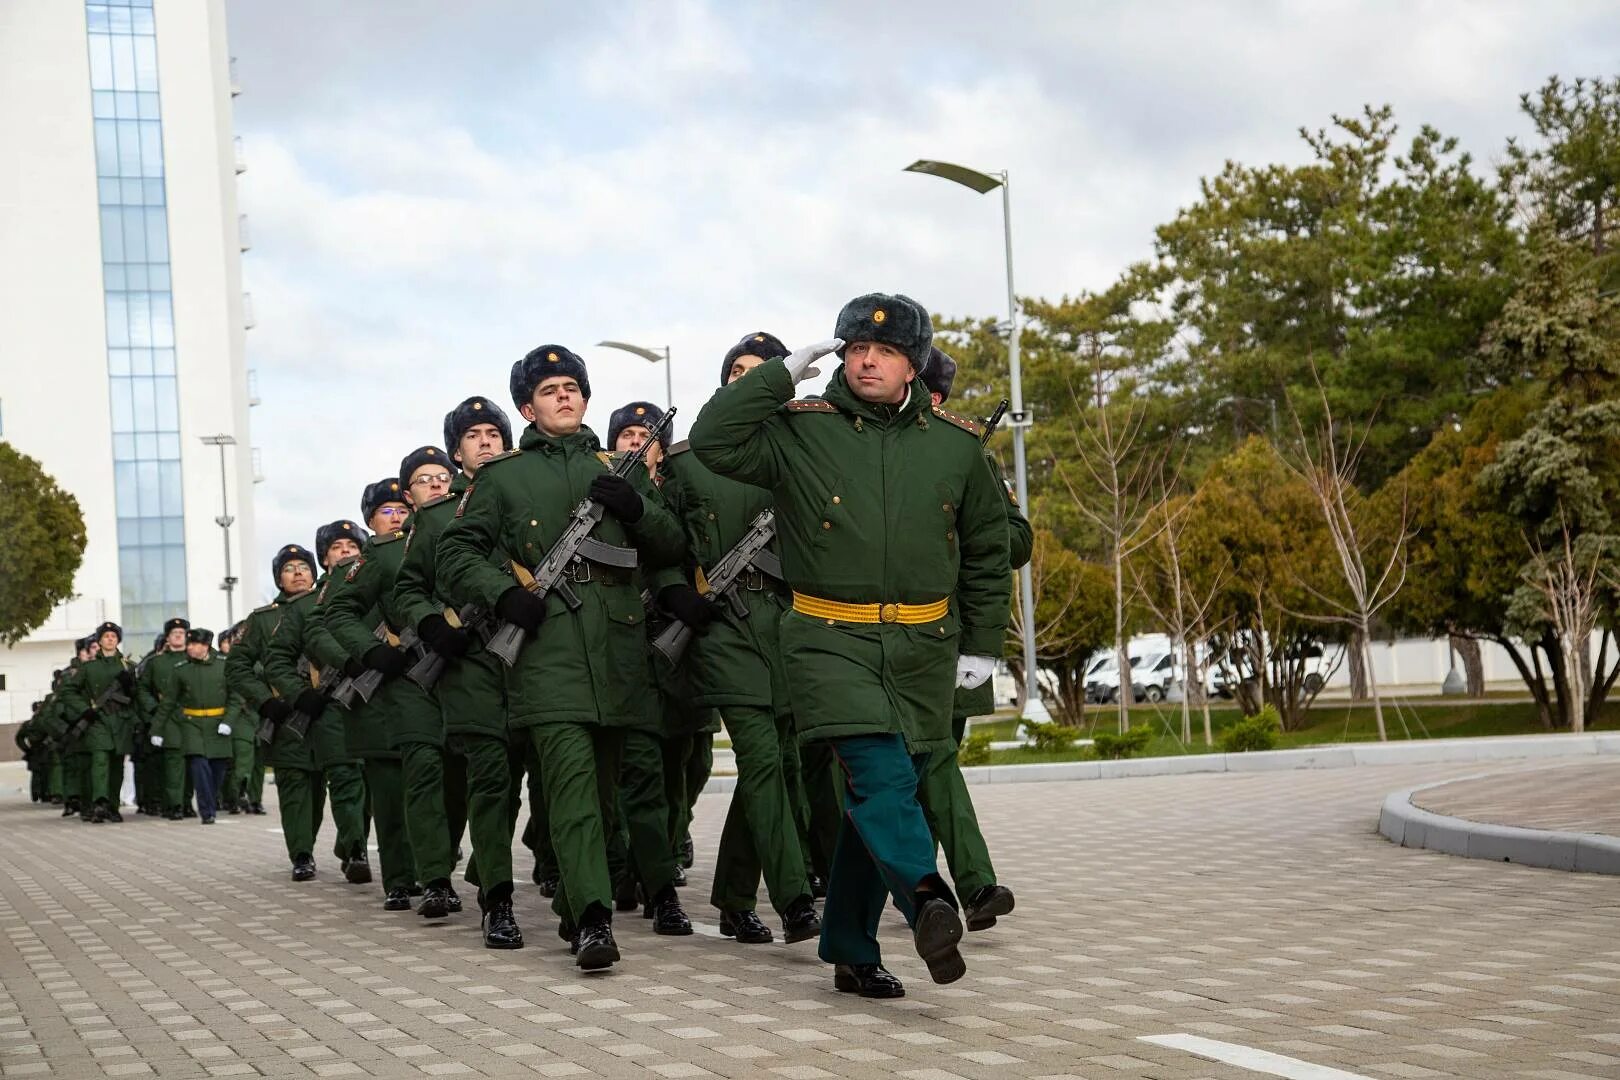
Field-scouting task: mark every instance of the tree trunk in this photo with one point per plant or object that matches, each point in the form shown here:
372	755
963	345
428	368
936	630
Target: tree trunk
1360	665
1473	664
1534	680
1363	642
1125	694
1186	690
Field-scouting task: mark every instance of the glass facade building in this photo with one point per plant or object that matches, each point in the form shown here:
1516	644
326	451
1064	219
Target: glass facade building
140	313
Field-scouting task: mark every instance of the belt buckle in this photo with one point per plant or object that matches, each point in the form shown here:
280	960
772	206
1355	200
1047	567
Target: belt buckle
754	580
579	571
889	613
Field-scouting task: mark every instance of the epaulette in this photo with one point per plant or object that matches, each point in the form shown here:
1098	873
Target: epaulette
972	427
435	502
679	448
810	405
389	538
341	563
607	457
271	606
512	453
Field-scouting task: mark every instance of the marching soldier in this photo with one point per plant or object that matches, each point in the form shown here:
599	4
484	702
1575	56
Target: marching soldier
92	697
196	707
943	793
470	694
302	663
300	786
400	731
153	688
894	542
244	779
583	678
735	665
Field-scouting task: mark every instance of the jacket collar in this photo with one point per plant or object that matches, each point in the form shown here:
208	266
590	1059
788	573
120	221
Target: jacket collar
839	393
583	441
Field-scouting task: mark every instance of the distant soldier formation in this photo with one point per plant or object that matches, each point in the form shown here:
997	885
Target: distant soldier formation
827	579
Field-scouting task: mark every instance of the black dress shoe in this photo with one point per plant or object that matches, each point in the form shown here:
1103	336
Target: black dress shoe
548	886
500	927
679	880
455	901
867	980
666	914
688	853
98	813
415	889
983	906
68	809
257	808
357	871
594	947
937	932
397	900
625	894
234	809
303	868
174	815
435	902
800	921
209	820
745	927
187	811
818	887
114	816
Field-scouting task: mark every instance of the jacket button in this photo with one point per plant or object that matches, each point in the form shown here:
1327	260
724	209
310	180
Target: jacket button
711	515
826	524
533	523
950	536
946	508
837	500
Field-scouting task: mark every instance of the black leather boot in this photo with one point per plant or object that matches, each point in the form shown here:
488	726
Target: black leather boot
745	927
435	901
867	980
800	921
500	925
667	916
984	905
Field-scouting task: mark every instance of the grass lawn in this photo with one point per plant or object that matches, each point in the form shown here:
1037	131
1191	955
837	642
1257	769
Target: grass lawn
1328	722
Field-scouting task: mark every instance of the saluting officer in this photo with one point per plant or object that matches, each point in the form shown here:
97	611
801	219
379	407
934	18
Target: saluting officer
583	678
894	542
943	793
300	790
470	695
735	665
302	658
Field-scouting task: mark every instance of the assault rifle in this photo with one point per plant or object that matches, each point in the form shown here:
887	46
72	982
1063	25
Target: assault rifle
112	696
341	692
427	666
750	554
994	422
573	546
366	683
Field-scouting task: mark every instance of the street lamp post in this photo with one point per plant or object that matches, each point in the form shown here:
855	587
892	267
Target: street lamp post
1018	418
651	356
225	521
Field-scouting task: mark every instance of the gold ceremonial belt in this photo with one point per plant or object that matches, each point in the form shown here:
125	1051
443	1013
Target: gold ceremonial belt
910	614
203	712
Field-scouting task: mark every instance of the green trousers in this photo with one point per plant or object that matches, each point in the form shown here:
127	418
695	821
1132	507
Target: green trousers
346	787
884	849
91	769
174	778
434	783
487	763
646	811
760	832
820	807
148	775
688	761
300	794
537	830
55	783
948	808
579	766
385	787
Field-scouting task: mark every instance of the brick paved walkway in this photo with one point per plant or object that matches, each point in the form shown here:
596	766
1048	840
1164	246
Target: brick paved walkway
1572	797
1258	910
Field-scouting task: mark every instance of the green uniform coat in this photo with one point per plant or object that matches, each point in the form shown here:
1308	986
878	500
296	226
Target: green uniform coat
980	701
80	692
303	654
200	684
874	504
246	673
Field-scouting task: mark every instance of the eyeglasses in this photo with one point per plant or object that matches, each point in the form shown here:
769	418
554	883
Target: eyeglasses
432	478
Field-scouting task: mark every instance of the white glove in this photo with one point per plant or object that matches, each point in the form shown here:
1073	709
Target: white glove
224	729
157	740
971	671
798	362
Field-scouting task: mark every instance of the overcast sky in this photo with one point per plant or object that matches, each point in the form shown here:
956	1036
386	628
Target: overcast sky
436	188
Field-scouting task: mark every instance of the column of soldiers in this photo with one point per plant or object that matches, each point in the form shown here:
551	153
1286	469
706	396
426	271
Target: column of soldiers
825	578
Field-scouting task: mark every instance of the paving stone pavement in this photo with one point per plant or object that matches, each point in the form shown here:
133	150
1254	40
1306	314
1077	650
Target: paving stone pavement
1582	796
1255	909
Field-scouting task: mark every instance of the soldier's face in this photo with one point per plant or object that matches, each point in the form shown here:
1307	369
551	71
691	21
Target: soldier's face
296	577
176	639
556	407
877	372
390	517
340	549
477	445
428	482
742	366
108	642
87	653
225	644
196	650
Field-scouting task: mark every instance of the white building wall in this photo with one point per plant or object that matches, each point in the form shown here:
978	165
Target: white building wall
54	399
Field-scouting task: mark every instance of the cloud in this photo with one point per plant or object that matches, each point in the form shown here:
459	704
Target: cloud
434	192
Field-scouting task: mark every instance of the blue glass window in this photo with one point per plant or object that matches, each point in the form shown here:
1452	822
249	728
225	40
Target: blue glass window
145	400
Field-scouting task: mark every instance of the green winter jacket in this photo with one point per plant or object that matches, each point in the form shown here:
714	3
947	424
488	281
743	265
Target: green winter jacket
588	666
198	705
246	673
875	504
80	692
301	656
981	700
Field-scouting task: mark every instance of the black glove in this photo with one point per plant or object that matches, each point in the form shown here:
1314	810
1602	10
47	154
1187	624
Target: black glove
386	658
686	604
310	703
126	679
441	637
274	710
354	668
618	497
521	607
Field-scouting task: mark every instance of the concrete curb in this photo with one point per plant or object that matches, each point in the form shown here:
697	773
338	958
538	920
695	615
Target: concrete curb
1412	826
1340	756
